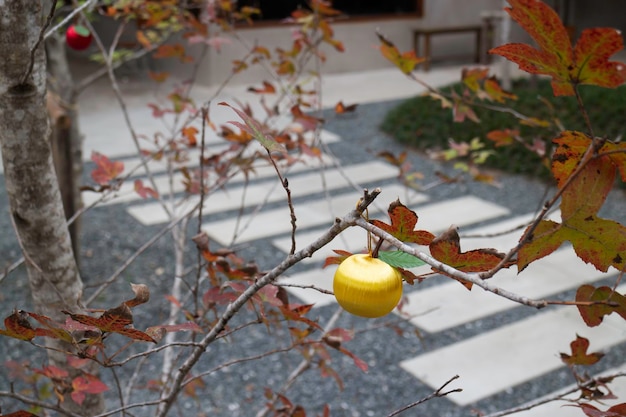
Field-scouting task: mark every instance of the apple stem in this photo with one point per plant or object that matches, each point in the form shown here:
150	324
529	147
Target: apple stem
377	248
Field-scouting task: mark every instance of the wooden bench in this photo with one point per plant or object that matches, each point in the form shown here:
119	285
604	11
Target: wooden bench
428	33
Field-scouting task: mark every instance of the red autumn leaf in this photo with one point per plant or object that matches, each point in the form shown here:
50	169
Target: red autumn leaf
579	354
21	413
52	328
618	410
18	327
503	137
297	313
143	191
447	249
256	130
115	320
52	372
86	384
159	77
341	108
406	61
309	122
157	112
586	63
402	227
106	170
267	88
173	51
603	301
336	260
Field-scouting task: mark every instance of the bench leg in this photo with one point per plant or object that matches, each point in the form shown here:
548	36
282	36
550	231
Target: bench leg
479	44
426	63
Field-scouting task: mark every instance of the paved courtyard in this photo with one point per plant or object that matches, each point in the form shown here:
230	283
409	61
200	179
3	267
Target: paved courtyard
500	350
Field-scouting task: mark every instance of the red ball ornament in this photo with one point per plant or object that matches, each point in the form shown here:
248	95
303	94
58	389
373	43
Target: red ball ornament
78	37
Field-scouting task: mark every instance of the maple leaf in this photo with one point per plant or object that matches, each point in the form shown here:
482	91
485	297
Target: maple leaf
52	329
586	63
579	354
143	191
256	130
406	61
402	227
598	241
86	384
462	110
447	249
604	301
473	77
18	327
495	92
105	170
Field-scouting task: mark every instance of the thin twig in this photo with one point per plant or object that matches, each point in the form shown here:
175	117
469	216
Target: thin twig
67	18
437	394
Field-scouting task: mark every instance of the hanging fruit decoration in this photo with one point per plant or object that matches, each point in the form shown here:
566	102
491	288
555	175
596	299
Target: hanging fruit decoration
78	37
366	286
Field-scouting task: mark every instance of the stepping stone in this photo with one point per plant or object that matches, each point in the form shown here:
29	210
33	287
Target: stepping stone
493	361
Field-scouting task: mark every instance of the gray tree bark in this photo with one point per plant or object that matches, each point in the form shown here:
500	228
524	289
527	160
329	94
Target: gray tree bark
32	188
66	139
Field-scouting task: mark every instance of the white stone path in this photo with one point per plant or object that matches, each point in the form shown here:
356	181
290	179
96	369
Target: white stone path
489	362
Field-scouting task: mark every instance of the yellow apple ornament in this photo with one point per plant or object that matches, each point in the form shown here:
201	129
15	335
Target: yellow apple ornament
366	286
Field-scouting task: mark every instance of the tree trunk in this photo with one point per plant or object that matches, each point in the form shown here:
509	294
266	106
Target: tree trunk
32	188
66	140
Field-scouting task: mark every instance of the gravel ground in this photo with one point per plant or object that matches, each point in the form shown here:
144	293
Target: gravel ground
110	235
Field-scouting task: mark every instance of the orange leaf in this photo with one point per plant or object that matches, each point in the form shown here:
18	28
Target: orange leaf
587	63
18	327
403	222
190	133
502	137
495	92
341	108
105	170
159	77
406	61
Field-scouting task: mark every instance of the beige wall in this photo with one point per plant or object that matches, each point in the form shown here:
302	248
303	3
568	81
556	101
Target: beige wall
359	39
